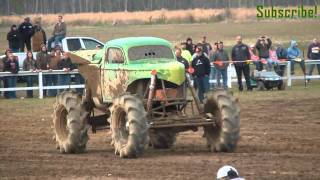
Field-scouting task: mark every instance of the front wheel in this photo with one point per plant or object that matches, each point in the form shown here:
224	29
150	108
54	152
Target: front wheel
224	134
128	126
70	123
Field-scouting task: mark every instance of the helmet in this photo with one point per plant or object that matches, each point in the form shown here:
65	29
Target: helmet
227	171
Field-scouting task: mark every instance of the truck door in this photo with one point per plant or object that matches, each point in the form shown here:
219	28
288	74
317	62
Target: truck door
113	75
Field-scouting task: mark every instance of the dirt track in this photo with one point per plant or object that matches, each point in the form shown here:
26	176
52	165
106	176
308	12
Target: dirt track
284	144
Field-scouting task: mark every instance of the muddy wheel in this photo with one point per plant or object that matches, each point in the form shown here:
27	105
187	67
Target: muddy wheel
128	126
162	138
70	123
224	134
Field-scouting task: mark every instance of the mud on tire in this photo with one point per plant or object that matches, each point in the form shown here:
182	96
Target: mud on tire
70	123
128	126
162	138
223	136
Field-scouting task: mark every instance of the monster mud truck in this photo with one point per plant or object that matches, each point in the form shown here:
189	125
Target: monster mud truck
146	98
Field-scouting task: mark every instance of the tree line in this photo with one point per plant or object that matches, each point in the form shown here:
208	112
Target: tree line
13	7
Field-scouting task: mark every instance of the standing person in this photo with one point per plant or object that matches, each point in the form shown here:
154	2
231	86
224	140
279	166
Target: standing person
206	47
314	54
26	32
201	66
11	64
1	70
190	46
52	79
42	64
273	58
254	56
213	71
263	45
39	37
65	64
181	59
14	39
294	55
240	54
185	53
59	32
282	56
221	61
29	64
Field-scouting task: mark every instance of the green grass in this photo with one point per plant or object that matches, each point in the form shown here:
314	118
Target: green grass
301	30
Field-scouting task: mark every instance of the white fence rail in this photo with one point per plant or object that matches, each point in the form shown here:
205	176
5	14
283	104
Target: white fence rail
40	86
231	78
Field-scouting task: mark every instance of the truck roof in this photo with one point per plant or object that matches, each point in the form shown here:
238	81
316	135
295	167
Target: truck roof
128	42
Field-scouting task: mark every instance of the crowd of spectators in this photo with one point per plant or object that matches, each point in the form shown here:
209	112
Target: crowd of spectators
211	61
46	58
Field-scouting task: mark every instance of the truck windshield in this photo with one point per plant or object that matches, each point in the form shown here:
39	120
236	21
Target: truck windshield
150	52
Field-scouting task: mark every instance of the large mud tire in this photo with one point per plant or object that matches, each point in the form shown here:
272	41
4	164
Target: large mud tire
129	126
224	135
162	138
70	123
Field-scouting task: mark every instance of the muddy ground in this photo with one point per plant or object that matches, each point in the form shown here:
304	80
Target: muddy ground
279	140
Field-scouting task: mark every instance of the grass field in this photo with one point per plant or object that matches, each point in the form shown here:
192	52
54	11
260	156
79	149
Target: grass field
280	31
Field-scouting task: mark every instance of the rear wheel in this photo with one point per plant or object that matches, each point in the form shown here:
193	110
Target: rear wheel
224	134
162	138
129	126
70	123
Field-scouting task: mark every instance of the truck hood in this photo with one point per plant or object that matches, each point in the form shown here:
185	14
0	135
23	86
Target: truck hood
171	71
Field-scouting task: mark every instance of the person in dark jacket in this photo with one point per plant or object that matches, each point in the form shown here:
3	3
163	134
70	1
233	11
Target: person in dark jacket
181	59
14	39
190	46
42	64
66	65
314	54
26	32
11	64
282	55
201	66
39	37
240	53
53	79
29	64
59	32
1	70
206	47
263	45
221	61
